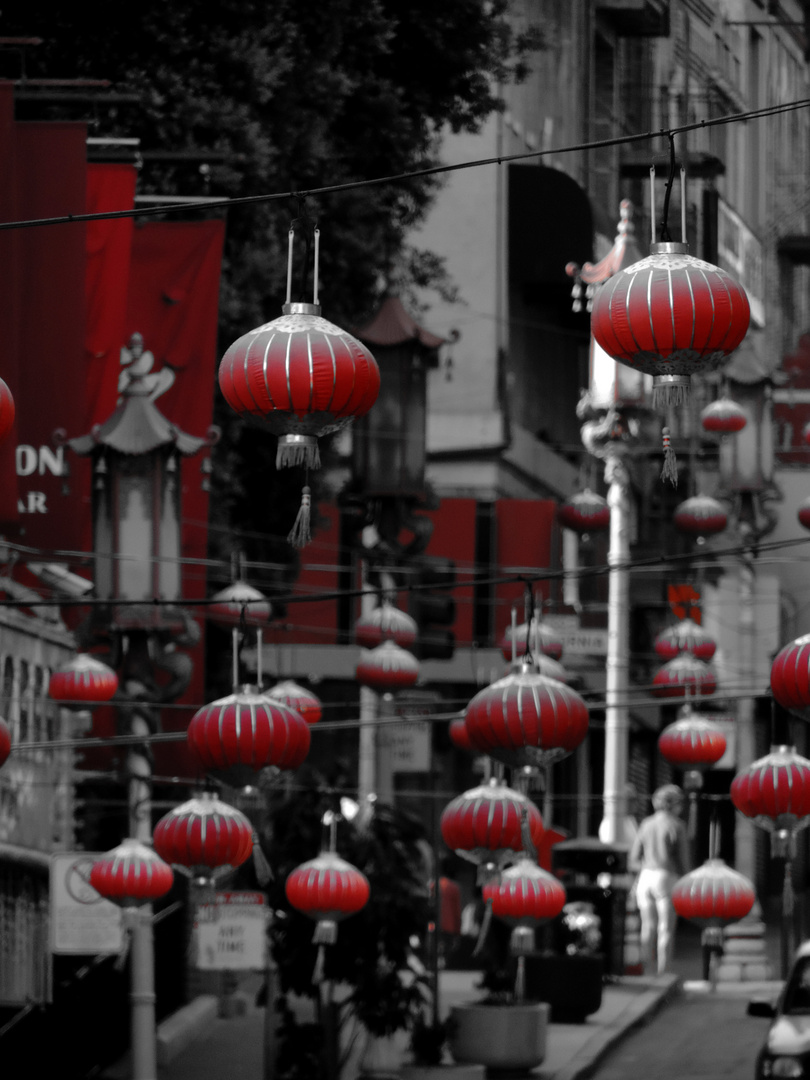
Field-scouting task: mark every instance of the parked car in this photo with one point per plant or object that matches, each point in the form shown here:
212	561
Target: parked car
786	1051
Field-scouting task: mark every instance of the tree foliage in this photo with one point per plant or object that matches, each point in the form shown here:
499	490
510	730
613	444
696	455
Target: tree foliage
289	96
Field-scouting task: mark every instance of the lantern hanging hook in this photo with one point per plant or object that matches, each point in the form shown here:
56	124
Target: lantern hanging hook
528	618
311	235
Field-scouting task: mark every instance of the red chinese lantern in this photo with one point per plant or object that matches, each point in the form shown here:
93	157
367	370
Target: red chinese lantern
670	315
246	731
803	514
524	897
683	677
685	636
83	681
238	602
131	874
7	410
385	623
526	719
327	889
538	635
584	513
459	736
5	742
484	825
700	516
387	668
303	701
300	376
790	676
806	434
713	894
692	743
723	417
203	835
775	791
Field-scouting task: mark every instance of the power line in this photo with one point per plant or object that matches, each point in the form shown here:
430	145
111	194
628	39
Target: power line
434	170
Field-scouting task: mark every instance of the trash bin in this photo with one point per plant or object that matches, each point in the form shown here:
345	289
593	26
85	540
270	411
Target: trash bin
588	868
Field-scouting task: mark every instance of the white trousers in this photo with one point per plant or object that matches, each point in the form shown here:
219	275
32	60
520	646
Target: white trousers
654	899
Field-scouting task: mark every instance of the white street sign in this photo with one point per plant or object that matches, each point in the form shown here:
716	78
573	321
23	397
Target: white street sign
82	921
231	933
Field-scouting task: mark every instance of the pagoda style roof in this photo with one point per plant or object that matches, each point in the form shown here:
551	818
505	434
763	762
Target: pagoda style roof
137	427
392	325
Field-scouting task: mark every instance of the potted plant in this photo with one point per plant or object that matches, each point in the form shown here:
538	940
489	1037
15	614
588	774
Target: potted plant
431	1060
504	1031
371	992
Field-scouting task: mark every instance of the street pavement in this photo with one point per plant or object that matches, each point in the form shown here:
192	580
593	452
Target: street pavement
219	1048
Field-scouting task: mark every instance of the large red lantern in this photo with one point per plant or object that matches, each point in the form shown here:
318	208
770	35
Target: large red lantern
237	603
327	889
670	315
5	742
700	516
246	731
204	834
83	681
526	719
296	697
484	824
685	636
774	791
692	743
7	410
524	897
684	676
538	636
300	376
385	623
790	676
387	668
131	874
713	894
584	513
723	417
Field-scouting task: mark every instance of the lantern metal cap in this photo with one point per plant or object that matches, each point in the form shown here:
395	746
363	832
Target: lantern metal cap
669	247
300	308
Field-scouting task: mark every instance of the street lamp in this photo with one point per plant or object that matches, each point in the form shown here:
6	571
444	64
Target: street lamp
136	455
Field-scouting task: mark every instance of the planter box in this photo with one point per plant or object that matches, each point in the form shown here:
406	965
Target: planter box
499	1036
571	985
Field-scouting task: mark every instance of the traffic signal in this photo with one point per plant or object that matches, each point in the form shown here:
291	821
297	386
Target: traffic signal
433	606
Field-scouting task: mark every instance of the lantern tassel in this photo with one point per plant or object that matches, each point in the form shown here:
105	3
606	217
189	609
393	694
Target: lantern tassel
318	970
298	450
325	932
262	868
669	391
520	980
300	534
670	469
482	933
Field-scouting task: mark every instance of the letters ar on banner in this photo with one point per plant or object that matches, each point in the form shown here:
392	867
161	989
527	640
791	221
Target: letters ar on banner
231	932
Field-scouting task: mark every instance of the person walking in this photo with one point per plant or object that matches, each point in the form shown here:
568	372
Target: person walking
660	855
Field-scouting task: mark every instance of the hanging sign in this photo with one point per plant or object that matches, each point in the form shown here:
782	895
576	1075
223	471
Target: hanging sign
82	921
684	600
231	932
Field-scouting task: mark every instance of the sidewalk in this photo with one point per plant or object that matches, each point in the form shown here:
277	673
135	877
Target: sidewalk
219	1048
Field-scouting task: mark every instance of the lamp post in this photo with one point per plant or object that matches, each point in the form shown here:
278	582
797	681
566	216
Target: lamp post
136	456
746	477
615	418
388	479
